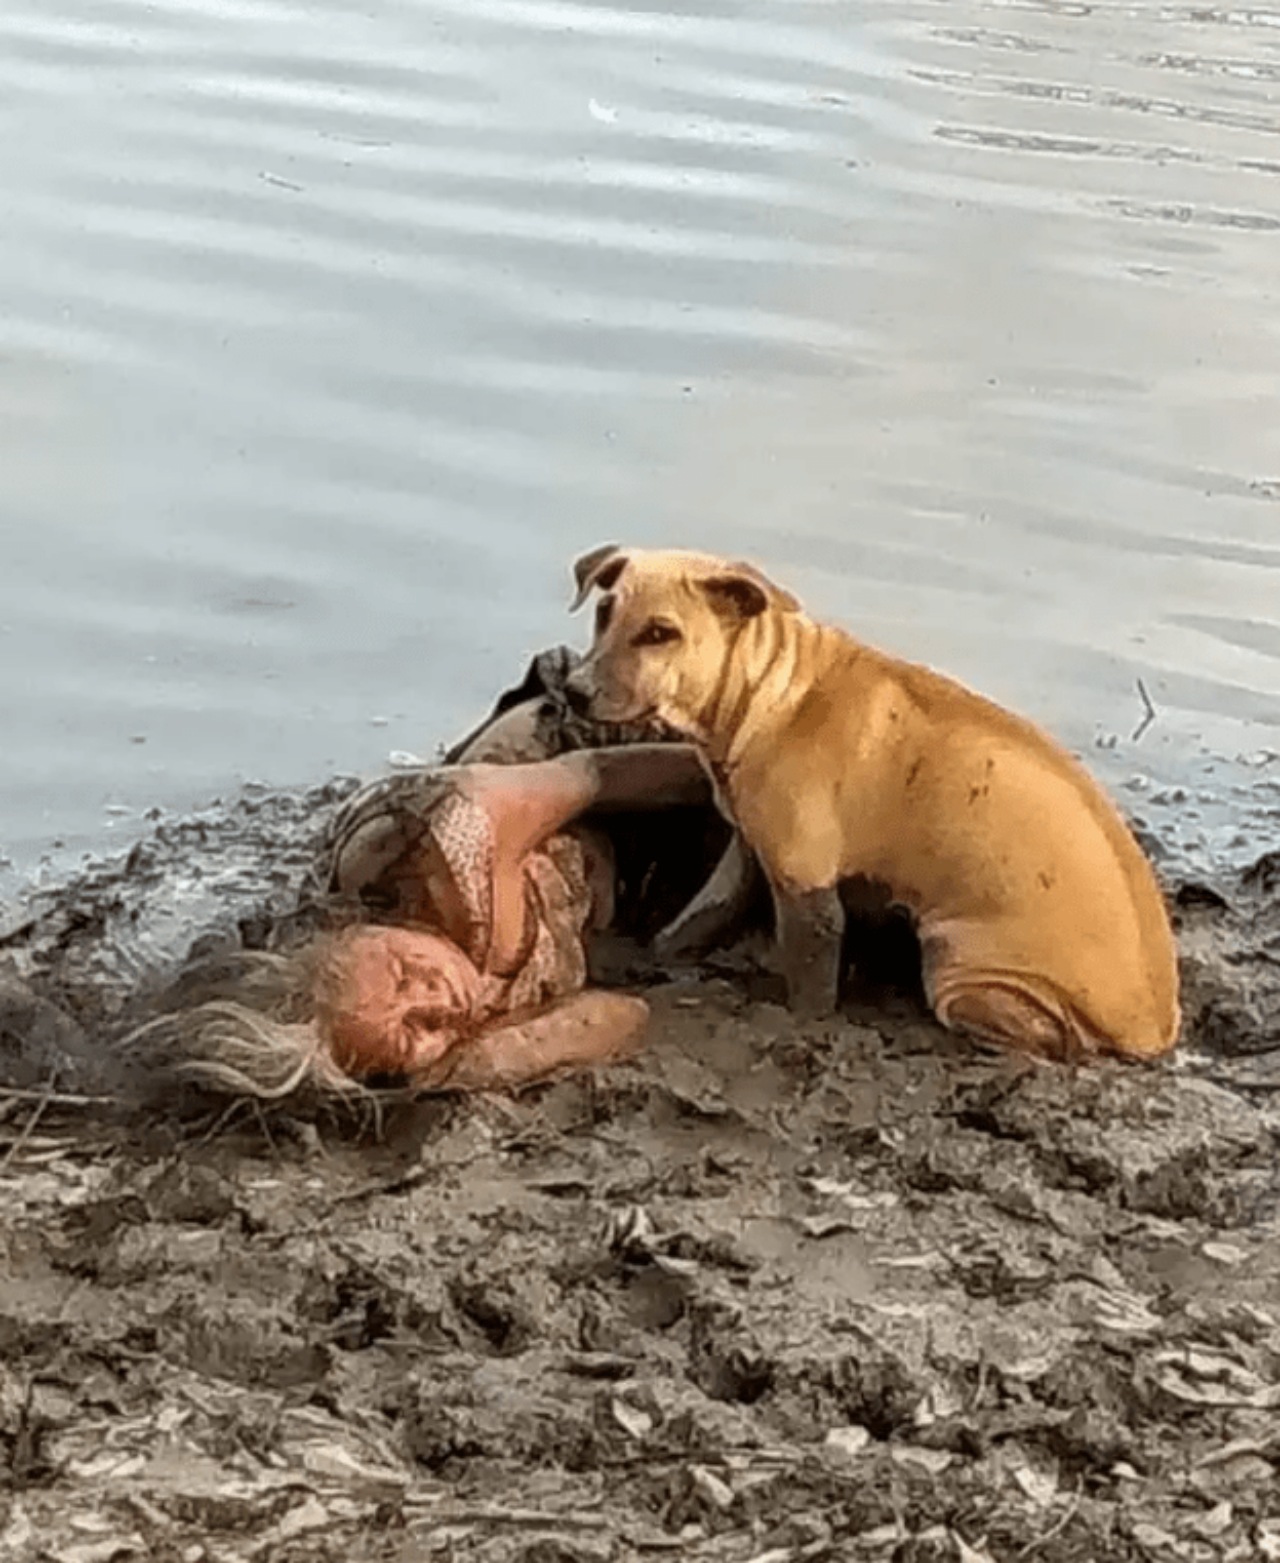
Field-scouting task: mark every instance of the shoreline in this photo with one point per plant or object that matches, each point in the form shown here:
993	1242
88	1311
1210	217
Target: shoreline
221	878
1206	814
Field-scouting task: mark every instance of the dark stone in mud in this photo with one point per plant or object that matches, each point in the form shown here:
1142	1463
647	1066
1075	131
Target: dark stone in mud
874	1389
724	1361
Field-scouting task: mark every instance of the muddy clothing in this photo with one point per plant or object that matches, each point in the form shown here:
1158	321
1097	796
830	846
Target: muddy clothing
399	836
557	726
660	860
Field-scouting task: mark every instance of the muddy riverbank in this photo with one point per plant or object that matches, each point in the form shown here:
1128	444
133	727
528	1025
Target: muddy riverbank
856	1291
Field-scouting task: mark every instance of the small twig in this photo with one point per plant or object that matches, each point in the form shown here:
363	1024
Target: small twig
13	1093
28	1128
23	1460
812	1550
1148	714
148	1511
497	1514
979	1394
1236	1082
405	1183
1036	1544
222	1121
265	1128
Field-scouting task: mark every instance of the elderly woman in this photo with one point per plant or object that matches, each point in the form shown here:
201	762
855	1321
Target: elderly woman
459	898
481	982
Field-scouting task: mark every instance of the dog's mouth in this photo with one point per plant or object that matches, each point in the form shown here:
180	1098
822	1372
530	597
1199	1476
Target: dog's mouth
621	713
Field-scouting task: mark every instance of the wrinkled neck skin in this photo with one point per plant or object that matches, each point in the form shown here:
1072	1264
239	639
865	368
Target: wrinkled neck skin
760	676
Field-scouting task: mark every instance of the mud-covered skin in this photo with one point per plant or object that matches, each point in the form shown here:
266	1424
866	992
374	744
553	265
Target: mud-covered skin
538	718
404	1004
427	1008
423	851
447	842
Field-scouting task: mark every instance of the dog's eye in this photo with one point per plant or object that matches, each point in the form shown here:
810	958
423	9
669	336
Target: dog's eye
656	633
603	614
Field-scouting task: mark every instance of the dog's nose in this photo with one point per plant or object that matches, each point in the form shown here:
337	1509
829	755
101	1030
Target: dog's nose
579	700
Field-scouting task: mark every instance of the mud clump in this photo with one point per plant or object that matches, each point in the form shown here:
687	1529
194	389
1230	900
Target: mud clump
767	1294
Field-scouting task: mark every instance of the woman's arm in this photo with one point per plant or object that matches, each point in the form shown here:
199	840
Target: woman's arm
528	803
594	1027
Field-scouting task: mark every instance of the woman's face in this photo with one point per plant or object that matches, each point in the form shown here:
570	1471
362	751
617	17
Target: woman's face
393	1000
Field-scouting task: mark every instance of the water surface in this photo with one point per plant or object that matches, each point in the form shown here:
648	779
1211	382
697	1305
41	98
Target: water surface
328	335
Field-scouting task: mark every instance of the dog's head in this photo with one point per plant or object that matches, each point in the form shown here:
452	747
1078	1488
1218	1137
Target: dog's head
666	623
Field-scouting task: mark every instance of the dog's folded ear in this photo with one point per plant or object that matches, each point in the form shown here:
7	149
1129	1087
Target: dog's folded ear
600	568
745	592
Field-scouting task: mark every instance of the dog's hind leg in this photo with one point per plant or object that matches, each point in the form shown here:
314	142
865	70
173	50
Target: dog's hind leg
1014	1012
716	909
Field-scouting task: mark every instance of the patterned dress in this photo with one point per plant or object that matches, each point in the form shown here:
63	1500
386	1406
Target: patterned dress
400	836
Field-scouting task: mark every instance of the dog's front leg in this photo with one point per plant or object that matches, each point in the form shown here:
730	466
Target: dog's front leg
810	941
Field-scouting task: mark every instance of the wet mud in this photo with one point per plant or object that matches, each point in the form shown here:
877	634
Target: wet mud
767	1294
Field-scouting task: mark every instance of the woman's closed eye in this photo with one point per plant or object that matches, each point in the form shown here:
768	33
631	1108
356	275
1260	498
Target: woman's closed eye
425	990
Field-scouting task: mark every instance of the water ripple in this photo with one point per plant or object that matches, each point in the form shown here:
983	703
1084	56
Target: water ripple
329	335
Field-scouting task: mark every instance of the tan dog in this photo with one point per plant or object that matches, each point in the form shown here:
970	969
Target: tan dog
1041	925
